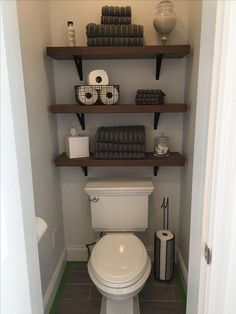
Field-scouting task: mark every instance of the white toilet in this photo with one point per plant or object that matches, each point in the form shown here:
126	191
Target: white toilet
119	265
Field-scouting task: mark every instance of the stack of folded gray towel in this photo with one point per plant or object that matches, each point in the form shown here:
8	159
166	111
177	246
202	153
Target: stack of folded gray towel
122	142
149	97
115	29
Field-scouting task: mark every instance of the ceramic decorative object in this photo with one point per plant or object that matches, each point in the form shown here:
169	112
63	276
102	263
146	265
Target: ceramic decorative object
165	19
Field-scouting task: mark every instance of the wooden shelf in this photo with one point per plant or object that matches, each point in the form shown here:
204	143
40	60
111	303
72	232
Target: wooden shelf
78	54
79	110
175	159
131	52
119	108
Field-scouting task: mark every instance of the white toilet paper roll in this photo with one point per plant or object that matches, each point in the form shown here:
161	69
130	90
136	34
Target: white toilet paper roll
41	227
109	95
87	95
98	77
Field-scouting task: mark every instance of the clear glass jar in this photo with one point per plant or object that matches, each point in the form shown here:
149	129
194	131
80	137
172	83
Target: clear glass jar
161	145
165	19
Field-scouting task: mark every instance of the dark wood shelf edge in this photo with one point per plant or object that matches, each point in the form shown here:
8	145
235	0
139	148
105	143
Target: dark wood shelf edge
165	108
175	159
119	52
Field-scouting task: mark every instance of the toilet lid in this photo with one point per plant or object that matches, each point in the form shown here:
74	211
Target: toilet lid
119	259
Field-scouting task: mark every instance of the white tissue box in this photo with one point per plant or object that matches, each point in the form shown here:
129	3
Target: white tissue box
77	146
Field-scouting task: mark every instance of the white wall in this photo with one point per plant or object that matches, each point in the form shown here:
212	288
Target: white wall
35	36
130	75
194	32
20	277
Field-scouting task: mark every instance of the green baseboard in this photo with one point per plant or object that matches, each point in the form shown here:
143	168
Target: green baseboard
61	286
181	281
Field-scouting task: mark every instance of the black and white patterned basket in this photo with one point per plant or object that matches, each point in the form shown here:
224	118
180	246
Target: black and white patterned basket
97	94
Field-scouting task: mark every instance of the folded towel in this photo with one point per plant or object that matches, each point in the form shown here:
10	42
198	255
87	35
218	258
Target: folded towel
98	30
114	41
149	101
119	155
116	11
149	96
121	135
150	92
114	147
115	20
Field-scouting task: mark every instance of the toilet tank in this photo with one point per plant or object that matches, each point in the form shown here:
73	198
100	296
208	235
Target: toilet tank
119	204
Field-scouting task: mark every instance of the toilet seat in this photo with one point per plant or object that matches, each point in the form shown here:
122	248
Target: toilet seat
119	260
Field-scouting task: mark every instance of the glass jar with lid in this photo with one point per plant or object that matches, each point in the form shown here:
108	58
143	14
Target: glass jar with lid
161	145
165	19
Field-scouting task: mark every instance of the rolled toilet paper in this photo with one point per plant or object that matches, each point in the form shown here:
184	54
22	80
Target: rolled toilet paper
166	254
98	77
109	95
87	95
41	227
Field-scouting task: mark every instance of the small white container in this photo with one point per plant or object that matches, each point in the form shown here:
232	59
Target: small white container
77	146
70	34
161	145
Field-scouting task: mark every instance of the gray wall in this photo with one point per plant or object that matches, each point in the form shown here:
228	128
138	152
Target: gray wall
194	32
35	36
130	75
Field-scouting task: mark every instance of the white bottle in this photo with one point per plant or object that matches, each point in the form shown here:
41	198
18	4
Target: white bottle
71	34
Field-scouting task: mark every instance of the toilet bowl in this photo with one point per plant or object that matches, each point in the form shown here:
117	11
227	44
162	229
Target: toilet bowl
119	267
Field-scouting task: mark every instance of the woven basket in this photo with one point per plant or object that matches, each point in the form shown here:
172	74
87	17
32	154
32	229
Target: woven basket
97	94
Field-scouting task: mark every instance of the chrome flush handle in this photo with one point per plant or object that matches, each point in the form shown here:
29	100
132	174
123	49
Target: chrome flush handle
94	199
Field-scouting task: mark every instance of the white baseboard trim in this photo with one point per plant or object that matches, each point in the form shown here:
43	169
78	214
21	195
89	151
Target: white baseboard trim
183	268
77	253
54	283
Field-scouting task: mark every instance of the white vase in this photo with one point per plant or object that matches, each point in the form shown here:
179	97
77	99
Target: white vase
165	19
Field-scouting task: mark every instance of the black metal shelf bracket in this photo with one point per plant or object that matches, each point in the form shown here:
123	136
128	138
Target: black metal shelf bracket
158	65
79	66
80	117
85	171
156	119
155	170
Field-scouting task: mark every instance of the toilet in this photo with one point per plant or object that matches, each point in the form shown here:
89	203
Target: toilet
119	265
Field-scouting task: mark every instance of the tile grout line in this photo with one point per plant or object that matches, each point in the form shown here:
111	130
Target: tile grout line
90	294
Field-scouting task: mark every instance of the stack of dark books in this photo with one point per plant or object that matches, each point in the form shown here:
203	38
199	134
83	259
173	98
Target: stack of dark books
149	97
122	142
115	29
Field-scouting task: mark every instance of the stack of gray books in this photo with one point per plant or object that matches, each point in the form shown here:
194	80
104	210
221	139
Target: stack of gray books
122	142
115	29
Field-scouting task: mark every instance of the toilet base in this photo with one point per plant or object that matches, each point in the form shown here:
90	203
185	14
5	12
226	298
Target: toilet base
128	306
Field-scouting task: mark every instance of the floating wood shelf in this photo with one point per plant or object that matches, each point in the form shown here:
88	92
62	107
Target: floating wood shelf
119	108
175	159
79	110
132	52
